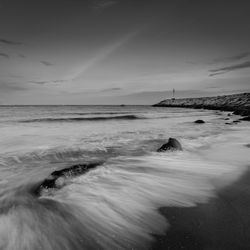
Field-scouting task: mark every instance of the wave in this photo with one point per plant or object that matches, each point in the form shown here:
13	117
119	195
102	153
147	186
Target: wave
111	207
76	119
115	206
56	155
101	113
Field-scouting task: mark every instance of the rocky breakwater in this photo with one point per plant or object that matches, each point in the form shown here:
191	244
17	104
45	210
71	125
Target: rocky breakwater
238	103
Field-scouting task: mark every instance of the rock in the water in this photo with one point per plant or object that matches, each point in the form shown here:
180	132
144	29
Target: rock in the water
227	119
247	118
199	121
172	144
57	179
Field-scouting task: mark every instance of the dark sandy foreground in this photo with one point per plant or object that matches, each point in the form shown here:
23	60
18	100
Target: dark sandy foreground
223	223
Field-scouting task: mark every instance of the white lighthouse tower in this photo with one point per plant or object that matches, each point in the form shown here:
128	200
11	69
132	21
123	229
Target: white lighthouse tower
173	97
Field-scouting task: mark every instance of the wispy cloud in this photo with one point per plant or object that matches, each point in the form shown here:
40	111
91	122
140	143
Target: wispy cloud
61	80
103	4
4	55
219	73
21	55
102	55
46	63
47	81
224	70
38	82
11	87
232	58
15	76
9	42
111	89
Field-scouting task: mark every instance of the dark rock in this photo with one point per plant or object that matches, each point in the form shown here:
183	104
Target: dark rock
247	145
227	119
172	144
247	118
236	121
243	112
57	179
236	103
199	121
228	123
236	112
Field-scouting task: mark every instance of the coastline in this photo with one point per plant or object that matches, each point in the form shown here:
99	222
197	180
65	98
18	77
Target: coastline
237	103
121	198
222	223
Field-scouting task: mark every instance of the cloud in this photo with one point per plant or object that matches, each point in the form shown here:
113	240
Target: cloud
103	4
8	42
102	55
4	55
58	81
49	81
232	58
219	73
38	82
224	70
15	76
11	87
111	89
21	55
46	63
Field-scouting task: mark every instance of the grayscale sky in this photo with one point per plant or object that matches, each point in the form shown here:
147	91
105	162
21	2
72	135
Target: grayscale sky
122	51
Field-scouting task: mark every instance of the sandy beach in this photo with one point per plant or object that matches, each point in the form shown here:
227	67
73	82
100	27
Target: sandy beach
222	223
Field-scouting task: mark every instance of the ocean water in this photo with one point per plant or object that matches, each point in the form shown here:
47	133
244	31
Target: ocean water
114	206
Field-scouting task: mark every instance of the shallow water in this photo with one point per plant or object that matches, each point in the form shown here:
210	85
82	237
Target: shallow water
114	206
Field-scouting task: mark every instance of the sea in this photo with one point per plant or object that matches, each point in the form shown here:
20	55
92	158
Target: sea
116	205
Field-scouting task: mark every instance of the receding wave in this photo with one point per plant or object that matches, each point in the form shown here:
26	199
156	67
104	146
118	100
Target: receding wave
56	155
111	207
79	154
77	119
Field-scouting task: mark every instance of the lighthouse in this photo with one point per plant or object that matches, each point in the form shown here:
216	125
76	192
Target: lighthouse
173	97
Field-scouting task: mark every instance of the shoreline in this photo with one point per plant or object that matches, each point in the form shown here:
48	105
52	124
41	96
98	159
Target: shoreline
237	103
221	223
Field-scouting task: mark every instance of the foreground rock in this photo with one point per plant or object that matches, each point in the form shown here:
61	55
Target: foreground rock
171	145
199	121
238	103
58	179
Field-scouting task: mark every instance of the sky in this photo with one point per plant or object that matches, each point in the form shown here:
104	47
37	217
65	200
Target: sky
122	51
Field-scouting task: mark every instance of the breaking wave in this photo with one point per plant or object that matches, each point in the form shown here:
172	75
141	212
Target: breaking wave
96	118
114	206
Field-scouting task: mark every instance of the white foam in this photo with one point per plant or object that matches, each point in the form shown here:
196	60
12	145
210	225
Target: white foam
122	197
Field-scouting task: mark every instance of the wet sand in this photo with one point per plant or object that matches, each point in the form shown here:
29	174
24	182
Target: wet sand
223	223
